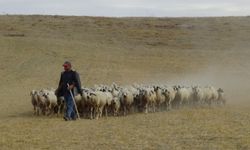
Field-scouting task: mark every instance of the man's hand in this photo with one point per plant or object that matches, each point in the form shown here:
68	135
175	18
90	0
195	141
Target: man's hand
70	87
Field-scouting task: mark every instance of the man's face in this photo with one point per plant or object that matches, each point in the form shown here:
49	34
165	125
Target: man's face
66	67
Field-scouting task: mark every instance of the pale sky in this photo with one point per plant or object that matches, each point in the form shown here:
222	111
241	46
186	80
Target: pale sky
124	8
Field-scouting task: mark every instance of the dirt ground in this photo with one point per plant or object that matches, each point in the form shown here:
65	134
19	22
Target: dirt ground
186	51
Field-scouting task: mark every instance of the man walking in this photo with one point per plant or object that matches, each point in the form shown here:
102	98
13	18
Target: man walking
68	81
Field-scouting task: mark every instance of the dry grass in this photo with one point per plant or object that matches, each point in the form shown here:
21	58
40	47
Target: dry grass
126	50
218	128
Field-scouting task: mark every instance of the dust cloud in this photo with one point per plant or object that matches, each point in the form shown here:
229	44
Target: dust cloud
236	85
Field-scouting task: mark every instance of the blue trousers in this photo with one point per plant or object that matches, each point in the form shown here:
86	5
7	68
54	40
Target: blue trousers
70	107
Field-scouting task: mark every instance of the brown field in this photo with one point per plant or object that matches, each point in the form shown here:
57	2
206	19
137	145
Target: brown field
189	51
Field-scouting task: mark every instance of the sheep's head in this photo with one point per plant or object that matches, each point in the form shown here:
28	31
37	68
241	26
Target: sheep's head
114	100
220	90
46	95
176	88
33	92
60	100
90	95
125	94
166	92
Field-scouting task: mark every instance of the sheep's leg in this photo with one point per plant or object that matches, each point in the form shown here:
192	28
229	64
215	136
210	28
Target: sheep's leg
34	107
58	111
49	110
146	108
38	111
158	107
124	110
153	107
97	113
106	111
91	113
169	105
180	104
150	107
114	112
35	110
100	111
209	102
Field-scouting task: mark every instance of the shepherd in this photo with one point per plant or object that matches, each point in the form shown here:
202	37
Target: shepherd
69	81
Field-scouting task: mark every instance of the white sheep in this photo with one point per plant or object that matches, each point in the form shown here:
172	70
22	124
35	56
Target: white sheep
198	95
34	101
210	95
148	99
169	93
97	100
115	106
127	100
160	98
221	98
109	98
51	102
61	104
41	103
183	96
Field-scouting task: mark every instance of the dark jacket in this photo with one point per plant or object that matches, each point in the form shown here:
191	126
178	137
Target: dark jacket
68	77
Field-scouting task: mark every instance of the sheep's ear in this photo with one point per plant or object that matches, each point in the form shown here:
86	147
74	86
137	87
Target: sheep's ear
92	94
220	90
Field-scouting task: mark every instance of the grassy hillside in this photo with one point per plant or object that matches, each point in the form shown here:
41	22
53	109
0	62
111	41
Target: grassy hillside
126	43
205	51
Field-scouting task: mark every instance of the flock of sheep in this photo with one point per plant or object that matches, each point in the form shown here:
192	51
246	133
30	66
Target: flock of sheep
117	100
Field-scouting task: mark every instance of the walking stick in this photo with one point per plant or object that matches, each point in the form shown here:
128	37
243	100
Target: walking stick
74	103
